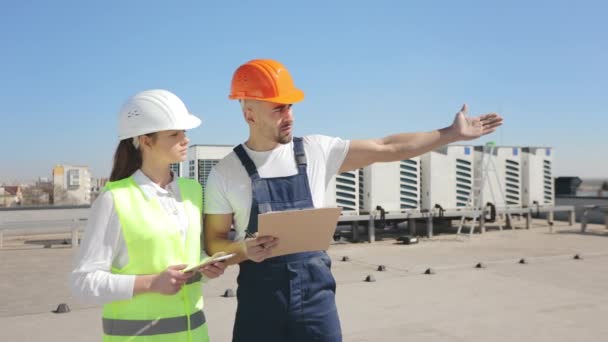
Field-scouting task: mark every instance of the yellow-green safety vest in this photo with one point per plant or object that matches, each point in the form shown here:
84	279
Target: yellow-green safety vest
153	244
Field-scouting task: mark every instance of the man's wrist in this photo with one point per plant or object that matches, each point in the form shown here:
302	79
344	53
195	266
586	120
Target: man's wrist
243	249
449	135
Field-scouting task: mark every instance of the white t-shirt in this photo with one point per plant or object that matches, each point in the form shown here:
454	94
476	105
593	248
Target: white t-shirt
228	188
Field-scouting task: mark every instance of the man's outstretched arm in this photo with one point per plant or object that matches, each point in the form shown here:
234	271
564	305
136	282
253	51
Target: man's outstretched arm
402	146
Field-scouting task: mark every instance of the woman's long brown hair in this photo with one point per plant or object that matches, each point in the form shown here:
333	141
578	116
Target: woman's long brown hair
127	159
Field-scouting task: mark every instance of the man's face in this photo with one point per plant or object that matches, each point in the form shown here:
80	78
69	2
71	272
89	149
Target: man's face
273	121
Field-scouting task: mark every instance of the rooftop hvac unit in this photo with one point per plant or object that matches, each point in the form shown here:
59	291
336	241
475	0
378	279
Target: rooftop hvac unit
177	169
537	180
503	175
201	159
394	186
343	191
447	177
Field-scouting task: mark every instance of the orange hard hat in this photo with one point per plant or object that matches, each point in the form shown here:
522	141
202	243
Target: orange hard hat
264	79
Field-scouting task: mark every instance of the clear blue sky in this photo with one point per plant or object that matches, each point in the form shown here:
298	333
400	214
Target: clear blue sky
368	69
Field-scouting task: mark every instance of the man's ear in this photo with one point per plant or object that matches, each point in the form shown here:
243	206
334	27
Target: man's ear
248	115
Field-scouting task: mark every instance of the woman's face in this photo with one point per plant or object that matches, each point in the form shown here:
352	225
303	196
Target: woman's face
167	146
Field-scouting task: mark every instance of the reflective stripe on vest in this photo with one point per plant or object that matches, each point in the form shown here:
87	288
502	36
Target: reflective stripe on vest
124	327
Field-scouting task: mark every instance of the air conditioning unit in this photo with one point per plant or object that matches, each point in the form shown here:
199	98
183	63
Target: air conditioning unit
503	183
343	191
394	186
537	180
447	177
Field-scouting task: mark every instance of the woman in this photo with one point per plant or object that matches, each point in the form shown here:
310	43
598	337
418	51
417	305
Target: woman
145	228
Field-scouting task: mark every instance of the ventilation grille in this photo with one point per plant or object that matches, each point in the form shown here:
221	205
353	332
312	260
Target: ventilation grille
174	167
346	190
512	182
191	169
408	182
547	182
464	182
361	189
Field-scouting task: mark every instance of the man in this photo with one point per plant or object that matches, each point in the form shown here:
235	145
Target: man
292	297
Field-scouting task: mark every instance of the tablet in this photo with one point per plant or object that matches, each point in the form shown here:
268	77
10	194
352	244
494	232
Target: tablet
218	257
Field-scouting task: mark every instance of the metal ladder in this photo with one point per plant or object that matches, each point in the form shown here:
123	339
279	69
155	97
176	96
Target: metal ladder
480	181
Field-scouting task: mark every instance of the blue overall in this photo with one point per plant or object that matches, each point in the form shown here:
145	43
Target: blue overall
291	297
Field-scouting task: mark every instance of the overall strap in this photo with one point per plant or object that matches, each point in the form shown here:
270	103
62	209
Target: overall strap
258	188
298	151
252	171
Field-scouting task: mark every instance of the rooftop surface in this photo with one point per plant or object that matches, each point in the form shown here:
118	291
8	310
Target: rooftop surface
553	297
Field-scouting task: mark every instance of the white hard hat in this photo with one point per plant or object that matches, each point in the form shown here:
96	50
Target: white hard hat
152	111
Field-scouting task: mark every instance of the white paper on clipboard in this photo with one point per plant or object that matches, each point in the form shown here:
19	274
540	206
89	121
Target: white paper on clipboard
304	230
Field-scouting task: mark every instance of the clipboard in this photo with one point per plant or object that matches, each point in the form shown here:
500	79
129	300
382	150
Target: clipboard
304	230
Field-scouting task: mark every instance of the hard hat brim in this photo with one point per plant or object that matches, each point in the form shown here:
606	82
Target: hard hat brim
296	95
293	97
190	122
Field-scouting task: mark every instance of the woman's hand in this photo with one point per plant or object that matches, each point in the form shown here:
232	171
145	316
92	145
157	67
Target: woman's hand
170	281
213	270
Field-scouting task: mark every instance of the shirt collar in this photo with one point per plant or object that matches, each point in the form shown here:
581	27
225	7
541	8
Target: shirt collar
151	189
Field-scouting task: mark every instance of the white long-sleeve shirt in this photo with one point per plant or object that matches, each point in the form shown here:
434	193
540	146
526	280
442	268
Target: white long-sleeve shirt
103	245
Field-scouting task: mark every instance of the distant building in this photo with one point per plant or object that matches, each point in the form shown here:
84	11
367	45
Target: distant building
577	187
10	196
97	185
593	187
567	186
39	193
71	185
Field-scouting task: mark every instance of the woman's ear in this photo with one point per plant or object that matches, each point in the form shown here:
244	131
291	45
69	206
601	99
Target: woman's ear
145	140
